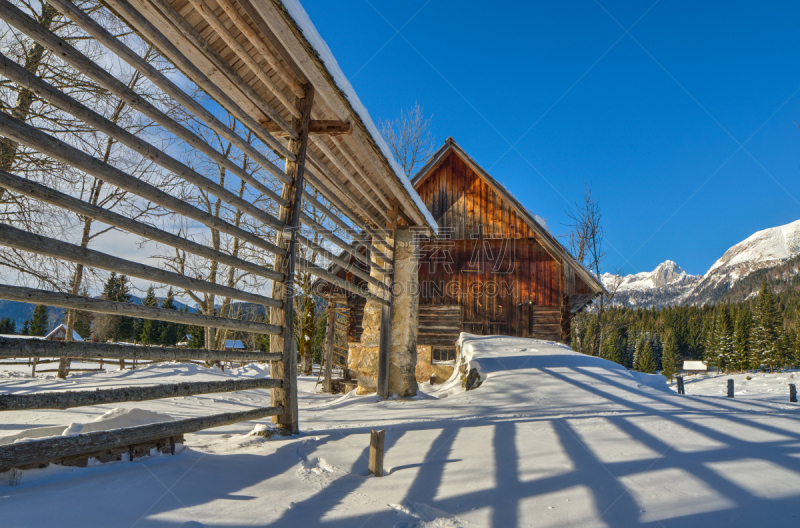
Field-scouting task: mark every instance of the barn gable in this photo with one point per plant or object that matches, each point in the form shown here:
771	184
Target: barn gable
494	269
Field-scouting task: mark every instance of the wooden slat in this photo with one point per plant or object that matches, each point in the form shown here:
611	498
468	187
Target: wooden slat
70	399
39	348
45	194
27	135
66	300
50	247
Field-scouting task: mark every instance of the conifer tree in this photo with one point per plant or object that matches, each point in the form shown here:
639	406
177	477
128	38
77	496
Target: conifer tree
612	349
741	340
647	361
723	338
670	361
766	328
26	328
170	332
38	324
149	329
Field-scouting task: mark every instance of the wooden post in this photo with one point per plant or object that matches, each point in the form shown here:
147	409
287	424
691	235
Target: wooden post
385	342
286	370
330	333
792	393
730	388
376	443
680	385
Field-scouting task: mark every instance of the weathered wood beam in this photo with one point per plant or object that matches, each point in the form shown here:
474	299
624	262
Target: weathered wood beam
385	337
46	449
48	93
210	54
168	49
330	333
343	144
322	146
121	90
30	136
50	196
328	127
216	23
341	193
322	273
341	262
39	348
286	370
50	247
70	399
272	58
66	300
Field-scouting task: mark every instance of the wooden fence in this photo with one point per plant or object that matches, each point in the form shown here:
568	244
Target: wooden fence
338	192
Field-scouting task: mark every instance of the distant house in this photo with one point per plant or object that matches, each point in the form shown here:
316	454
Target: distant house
60	332
185	343
234	344
695	367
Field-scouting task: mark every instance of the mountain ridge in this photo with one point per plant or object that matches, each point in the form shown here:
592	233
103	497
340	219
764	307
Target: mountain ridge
670	285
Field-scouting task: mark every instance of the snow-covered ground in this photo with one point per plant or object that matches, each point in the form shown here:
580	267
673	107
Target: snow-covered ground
550	438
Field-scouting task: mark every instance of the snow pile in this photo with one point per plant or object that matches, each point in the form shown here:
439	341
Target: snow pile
113	419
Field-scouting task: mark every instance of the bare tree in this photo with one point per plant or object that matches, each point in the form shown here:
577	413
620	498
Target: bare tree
410	138
586	243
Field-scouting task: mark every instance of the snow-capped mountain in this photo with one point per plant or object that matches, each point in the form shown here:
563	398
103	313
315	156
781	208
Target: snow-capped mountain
666	285
669	285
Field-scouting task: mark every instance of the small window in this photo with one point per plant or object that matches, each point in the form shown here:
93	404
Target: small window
444	355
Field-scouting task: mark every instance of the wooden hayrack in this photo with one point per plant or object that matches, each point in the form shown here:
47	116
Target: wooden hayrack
252	60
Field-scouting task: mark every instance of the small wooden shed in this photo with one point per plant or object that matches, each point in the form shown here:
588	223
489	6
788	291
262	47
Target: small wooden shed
495	267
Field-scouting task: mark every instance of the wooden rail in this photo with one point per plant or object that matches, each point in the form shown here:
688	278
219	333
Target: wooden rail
47	449
35	348
70	399
66	300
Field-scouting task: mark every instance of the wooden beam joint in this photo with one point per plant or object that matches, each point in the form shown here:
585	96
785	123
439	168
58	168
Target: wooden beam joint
329	127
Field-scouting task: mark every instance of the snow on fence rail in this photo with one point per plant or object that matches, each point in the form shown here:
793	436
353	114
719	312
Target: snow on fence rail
70	399
48	449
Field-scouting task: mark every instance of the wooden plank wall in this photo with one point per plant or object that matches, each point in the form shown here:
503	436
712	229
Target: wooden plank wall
493	266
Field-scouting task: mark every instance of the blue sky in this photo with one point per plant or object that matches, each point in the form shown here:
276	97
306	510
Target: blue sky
681	114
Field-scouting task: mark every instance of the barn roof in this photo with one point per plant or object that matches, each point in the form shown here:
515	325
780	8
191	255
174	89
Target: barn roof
551	243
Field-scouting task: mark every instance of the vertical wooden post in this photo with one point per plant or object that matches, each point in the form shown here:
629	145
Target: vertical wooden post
376	443
680	385
330	333
286	370
792	393
385	340
730	388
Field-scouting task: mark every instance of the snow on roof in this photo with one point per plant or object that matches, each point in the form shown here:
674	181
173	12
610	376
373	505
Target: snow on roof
75	335
695	365
313	37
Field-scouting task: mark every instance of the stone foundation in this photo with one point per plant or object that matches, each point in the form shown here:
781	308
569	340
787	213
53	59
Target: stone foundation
363	356
426	367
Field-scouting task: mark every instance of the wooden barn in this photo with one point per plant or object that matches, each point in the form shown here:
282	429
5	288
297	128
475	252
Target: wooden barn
494	269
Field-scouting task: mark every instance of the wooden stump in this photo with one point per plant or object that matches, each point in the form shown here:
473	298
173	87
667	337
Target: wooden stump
792	393
730	388
376	442
680	385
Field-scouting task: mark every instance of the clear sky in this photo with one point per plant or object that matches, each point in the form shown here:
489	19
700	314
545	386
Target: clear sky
682	114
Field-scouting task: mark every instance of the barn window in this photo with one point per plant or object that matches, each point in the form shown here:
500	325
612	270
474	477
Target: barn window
444	355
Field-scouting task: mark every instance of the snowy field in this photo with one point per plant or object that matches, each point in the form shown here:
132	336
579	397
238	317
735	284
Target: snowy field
550	438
